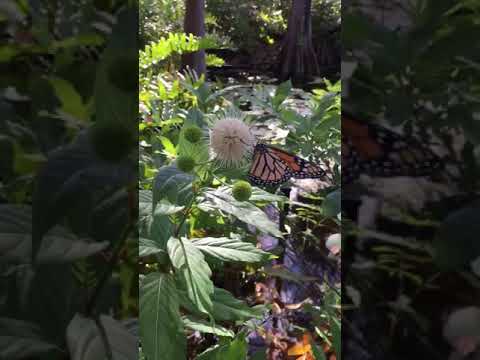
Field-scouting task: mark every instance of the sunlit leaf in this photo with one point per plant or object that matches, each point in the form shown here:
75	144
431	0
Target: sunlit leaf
230	249
147	247
164	207
174	185
281	93
159	229
70	99
244	211
206	327
168	147
193	271
336	336
161	327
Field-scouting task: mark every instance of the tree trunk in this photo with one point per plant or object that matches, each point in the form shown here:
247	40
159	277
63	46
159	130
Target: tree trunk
195	24
299	59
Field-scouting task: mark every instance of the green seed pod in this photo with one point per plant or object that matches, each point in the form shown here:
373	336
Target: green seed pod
242	190
112	141
120	74
193	134
185	163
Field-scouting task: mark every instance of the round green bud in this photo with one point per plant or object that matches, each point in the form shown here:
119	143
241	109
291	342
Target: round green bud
121	75
242	190
192	133
185	163
111	141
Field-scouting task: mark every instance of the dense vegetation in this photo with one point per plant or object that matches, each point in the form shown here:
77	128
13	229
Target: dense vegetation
230	270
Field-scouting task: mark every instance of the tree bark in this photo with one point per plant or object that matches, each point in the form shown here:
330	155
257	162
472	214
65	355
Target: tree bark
299	59
195	24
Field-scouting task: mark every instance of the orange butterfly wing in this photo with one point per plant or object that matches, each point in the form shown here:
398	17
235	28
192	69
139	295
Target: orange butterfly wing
301	350
267	168
272	166
376	151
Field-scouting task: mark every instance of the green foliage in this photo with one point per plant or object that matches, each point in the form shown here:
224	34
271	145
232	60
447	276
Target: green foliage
195	215
241	24
158	18
251	22
174	43
192	224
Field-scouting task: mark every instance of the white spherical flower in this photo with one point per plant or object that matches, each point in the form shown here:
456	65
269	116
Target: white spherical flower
231	141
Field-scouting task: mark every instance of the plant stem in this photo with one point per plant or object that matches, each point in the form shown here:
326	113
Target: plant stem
107	273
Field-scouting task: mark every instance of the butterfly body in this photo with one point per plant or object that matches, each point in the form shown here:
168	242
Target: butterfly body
378	152
272	166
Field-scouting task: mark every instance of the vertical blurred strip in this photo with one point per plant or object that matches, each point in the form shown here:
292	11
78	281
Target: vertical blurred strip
410	189
68	179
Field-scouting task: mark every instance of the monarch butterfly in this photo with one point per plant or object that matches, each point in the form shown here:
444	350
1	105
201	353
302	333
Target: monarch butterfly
375	151
272	166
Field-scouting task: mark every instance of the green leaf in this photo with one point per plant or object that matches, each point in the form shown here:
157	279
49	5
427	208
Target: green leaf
21	339
70	173
282	92
160	230
85	340
260	354
336	329
168	146
225	307
318	352
145	198
78	40
147	247
228	308
161	327
230	249
205	327
59	245
290	117
245	211
174	185
193	270
233	350
70	99
456	243
27	163
164	207
8	52
262	195
332	205
214	60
